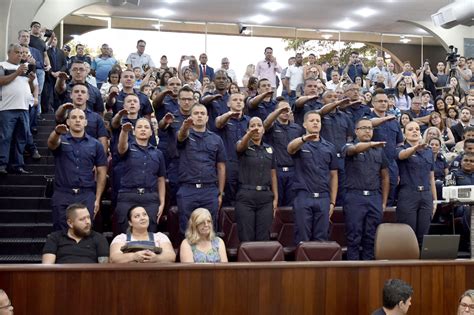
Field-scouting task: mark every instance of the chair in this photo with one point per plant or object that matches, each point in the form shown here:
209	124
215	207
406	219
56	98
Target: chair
260	251
283	230
396	241
318	251
229	232
172	225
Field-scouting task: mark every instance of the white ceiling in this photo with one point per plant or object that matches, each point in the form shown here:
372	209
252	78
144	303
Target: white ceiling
310	14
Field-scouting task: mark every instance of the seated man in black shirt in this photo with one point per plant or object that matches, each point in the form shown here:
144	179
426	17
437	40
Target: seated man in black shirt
396	298
79	244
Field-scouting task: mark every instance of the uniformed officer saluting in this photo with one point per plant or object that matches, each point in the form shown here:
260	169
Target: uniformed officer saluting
367	187
279	132
75	155
315	181
143	179
417	188
201	167
257	198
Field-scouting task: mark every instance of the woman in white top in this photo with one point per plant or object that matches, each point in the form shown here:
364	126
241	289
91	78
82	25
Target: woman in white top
138	220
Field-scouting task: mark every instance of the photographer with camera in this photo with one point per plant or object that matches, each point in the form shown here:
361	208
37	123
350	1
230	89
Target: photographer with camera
17	87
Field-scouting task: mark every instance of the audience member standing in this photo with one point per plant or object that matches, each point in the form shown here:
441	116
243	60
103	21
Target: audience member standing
268	68
16	86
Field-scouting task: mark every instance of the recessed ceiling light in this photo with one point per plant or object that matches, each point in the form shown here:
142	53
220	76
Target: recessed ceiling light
346	24
157	26
326	36
273	6
163	12
404	40
259	18
365	12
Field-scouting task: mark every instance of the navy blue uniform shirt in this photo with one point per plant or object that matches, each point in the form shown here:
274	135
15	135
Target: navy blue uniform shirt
313	164
279	136
463	178
145	105
199	154
232	132
358	111
94	103
363	169
415	171
299	112
75	159
256	164
439	166
263	109
391	133
336	128
142	167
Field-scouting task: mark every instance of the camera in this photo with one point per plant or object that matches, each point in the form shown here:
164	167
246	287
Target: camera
31	67
48	33
452	56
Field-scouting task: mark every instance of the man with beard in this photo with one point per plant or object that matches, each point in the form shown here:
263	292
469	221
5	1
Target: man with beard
79	244
76	156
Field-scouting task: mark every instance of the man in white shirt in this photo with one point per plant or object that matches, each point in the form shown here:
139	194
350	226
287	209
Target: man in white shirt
16	83
230	72
139	58
294	74
335	82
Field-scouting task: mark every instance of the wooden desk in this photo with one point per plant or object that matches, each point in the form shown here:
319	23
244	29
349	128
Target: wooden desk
234	288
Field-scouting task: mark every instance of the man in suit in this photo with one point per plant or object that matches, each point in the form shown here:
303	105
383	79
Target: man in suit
58	64
465	121
205	69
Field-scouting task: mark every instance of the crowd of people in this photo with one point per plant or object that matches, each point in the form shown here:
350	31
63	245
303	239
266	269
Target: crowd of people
364	138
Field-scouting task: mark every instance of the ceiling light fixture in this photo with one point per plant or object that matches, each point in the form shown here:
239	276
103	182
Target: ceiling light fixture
163	12
404	40
158	26
244	30
326	36
346	24
259	19
365	12
273	6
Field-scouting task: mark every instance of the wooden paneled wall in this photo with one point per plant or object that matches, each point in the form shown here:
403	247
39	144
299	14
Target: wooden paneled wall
234	288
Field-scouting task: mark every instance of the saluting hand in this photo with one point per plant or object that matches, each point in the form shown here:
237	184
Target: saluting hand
168	118
216	97
62	76
123	112
188	122
269	93
253	131
420	146
234	115
310	137
61	129
68	106
284	109
377	144
127	127
390	117
345	102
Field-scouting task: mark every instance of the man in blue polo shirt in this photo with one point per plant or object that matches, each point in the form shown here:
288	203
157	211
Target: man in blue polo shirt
355	67
76	156
201	167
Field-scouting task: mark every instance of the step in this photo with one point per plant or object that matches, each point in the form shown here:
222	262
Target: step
25	203
19	246
31	179
44	151
27	230
46	122
22	190
42	169
45	159
20	259
25	216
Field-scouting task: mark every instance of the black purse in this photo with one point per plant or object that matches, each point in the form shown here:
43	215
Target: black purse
49	189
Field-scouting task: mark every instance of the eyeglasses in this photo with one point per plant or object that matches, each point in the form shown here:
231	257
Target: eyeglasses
469	306
469	161
185	99
78	69
365	128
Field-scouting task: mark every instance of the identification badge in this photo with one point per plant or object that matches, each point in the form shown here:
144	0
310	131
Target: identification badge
269	150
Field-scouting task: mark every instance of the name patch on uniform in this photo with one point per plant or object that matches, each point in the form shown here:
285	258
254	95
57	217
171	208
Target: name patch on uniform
307	151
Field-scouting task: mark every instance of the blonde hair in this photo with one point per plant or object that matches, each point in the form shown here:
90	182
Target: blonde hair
198	216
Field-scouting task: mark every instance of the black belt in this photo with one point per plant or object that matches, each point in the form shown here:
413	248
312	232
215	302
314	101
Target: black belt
319	195
257	188
139	191
417	188
200	185
285	168
364	192
74	191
